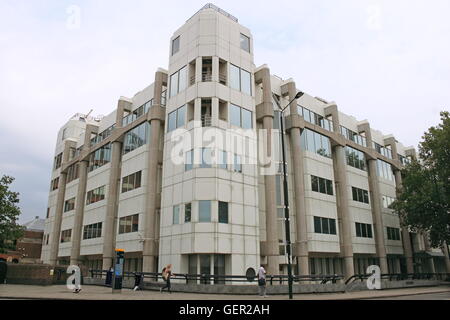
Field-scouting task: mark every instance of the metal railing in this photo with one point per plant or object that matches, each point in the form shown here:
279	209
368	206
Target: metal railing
206	77
402	276
224	279
206	120
223	78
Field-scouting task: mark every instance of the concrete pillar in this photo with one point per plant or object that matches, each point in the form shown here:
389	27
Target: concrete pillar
427	245
56	229
301	244
109	227
77	230
80	203
150	247
406	239
215	112
271	245
340	177
446	256
198	69
215	69
375	201
342	196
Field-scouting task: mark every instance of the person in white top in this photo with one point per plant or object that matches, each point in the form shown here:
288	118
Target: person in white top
262	281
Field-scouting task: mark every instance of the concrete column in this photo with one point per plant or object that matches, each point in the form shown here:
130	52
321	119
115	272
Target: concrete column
198	69
271	245
215	112
446	256
56	230
340	177
215	69
77	230
150	247
342	196
75	258
406	239
375	200
427	246
301	244
109	227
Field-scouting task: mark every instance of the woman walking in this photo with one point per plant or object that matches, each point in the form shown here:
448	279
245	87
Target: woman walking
167	274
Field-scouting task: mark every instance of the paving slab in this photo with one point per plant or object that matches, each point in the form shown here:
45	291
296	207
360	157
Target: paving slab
58	292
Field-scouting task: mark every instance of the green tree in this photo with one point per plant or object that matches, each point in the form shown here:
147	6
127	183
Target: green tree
424	202
9	214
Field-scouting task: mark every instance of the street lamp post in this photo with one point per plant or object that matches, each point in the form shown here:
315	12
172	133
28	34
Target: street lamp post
286	195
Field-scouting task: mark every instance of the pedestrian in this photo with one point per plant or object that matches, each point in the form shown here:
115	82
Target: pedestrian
167	274
262	281
137	280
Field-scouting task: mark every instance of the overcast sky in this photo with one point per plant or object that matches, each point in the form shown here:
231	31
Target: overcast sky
385	61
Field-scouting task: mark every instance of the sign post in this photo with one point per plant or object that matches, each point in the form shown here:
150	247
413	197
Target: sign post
118	271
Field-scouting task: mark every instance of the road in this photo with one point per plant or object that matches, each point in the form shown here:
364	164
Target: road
428	296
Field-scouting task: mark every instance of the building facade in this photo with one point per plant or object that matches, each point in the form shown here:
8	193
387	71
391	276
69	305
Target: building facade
188	172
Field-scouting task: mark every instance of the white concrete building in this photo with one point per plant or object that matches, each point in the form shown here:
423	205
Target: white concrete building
127	181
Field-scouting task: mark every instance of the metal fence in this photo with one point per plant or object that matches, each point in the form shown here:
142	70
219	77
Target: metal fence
402	276
224	279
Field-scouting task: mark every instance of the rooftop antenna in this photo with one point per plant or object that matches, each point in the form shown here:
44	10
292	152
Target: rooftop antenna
89	113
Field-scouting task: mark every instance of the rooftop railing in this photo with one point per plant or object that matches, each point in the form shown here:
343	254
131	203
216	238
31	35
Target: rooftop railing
211	6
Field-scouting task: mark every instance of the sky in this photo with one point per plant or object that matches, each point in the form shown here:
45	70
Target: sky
385	61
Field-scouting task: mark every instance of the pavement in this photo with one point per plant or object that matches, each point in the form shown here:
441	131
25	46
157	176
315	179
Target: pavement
60	292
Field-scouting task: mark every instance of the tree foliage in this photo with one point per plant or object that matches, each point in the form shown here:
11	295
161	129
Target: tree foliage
9	214
424	202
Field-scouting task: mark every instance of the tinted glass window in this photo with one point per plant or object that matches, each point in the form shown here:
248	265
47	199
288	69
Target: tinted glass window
246	84
235	77
204	213
245	43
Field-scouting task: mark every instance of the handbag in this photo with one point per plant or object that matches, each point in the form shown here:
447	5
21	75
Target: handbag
261	282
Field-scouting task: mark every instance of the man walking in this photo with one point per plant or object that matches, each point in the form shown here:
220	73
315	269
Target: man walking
262	281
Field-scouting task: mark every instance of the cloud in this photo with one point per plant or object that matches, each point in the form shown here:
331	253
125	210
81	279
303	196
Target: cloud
385	61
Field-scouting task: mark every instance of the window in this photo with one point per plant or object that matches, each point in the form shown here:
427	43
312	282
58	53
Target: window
69	205
176	215
95	195
204	213
102	136
240	117
64	134
187	212
54	184
315	142
360	195
176	119
363	230
206	160
100	157
223	212
387	201
237	164
66	236
131	182
245	43
315	118
322	185
223	159
92	231
382	150
178	82
72	172
393	234
355	158
129	224
240	79
136	114
136	137
189	163
353	136
384	170
324	225
175	45
58	161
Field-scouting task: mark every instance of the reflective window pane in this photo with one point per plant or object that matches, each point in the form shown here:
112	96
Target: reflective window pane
235	77
246	84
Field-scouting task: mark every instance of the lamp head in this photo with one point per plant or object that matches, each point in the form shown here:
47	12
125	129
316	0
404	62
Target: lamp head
299	95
